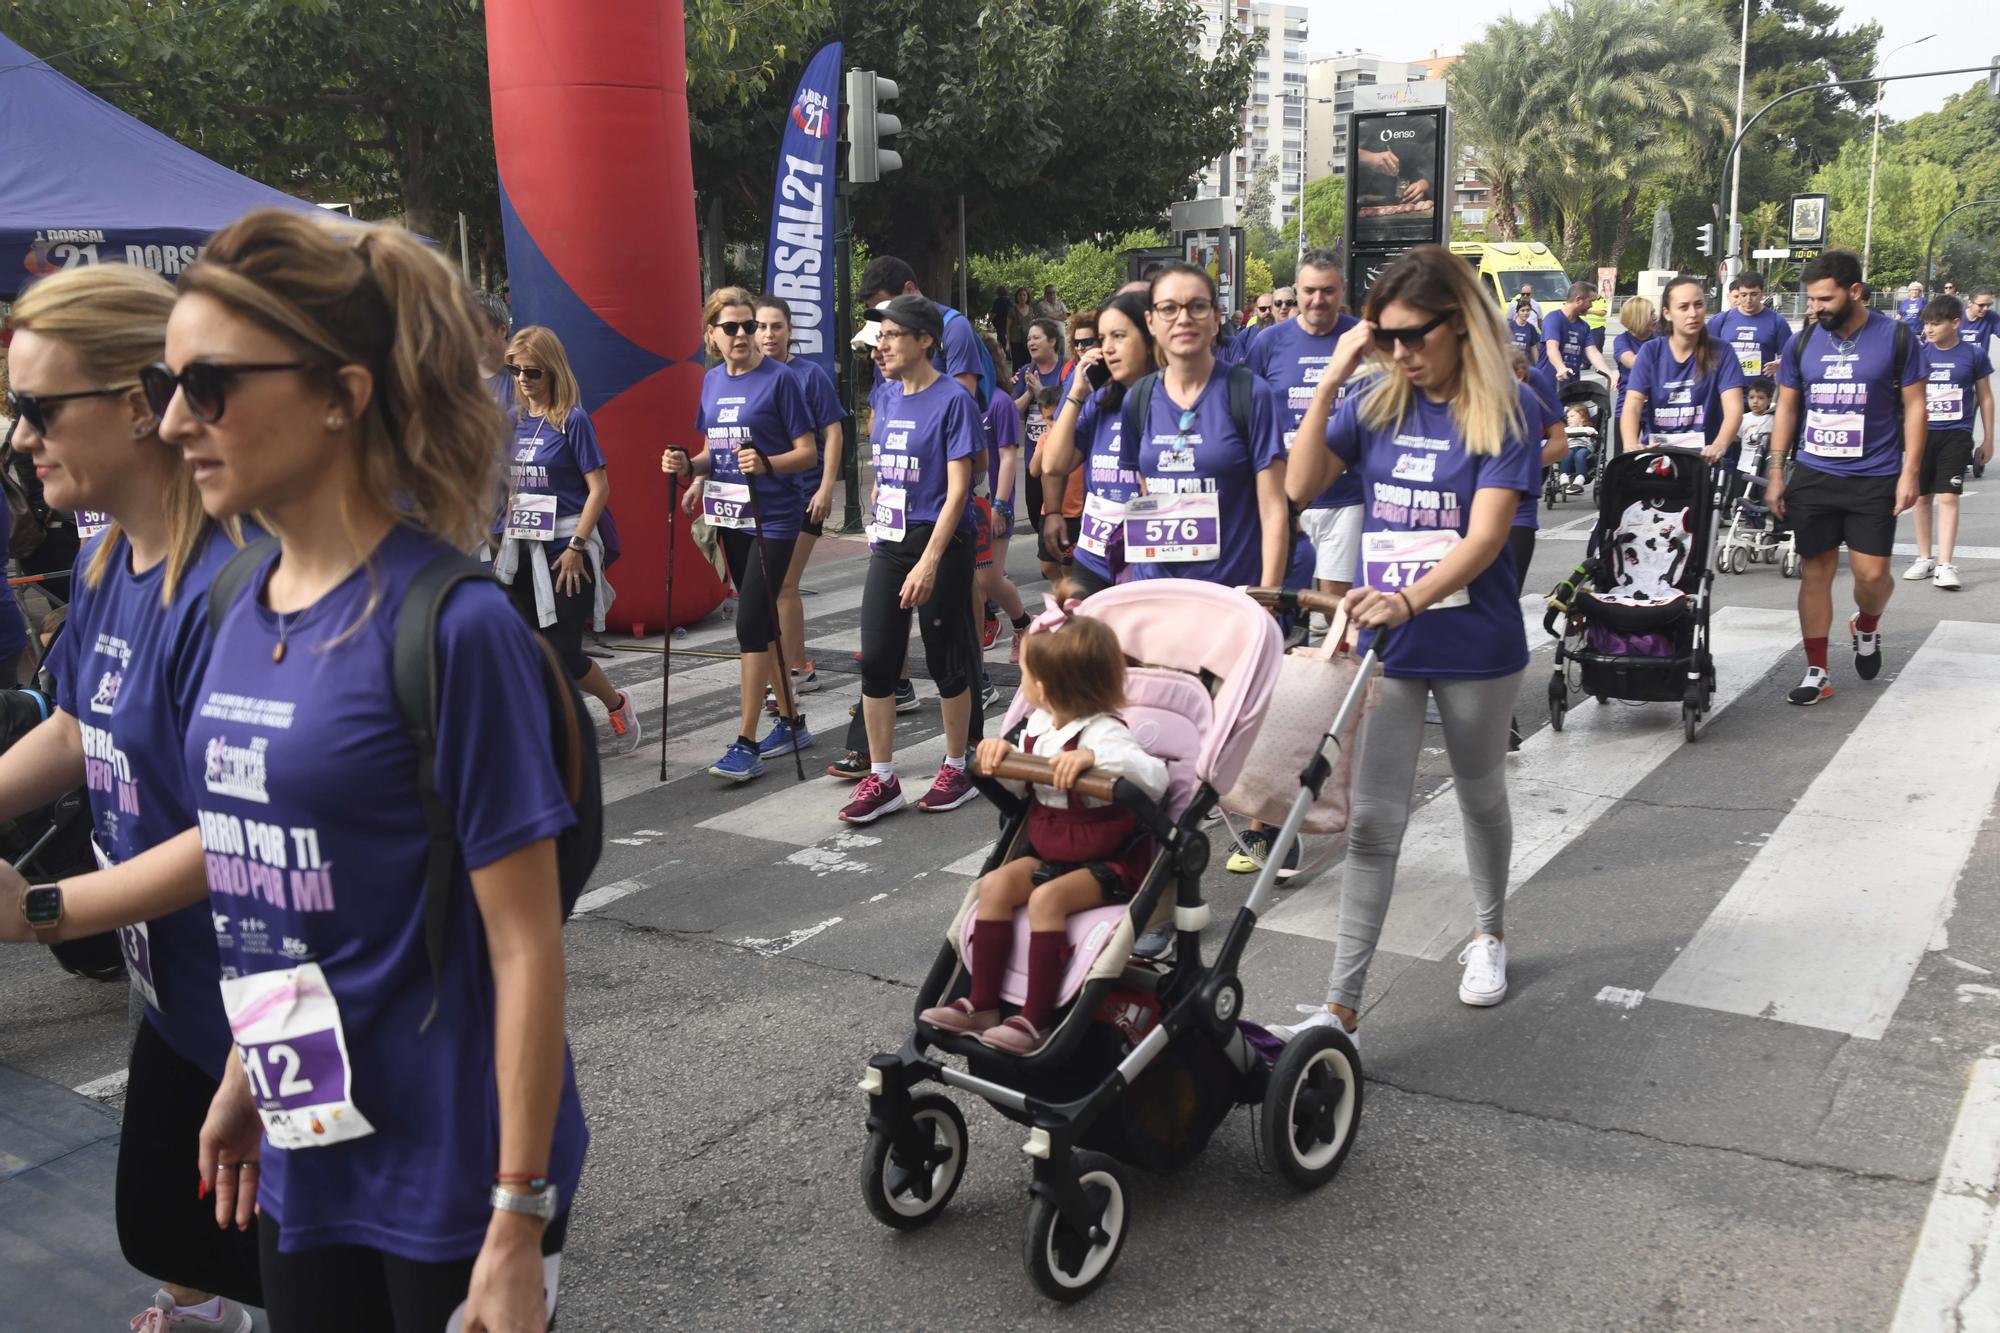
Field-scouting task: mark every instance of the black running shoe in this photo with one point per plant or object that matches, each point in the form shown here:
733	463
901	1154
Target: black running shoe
1815	687
853	766
1867	651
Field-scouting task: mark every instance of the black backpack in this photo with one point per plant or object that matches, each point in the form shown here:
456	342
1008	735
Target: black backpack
416	689
1139	401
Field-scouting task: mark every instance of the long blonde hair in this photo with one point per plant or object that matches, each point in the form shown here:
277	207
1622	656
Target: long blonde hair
541	343
113	317
374	296
1487	406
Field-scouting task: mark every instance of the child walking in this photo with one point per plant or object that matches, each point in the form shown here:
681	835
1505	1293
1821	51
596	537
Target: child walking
1084	853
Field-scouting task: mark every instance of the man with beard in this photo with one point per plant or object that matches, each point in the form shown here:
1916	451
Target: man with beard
1851	401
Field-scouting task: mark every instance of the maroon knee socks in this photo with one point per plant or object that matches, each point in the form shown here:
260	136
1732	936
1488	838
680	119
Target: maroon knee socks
1045	969
991	941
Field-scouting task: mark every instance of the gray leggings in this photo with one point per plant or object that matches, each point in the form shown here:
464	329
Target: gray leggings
1475	714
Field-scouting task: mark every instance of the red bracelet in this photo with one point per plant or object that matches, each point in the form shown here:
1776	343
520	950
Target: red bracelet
529	1178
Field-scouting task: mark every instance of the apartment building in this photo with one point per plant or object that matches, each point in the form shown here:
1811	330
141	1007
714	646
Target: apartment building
1274	122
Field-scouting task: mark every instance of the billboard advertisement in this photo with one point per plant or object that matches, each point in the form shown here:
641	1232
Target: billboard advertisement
1398	189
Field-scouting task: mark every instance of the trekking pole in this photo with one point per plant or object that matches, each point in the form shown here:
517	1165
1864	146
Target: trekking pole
783	684
667	660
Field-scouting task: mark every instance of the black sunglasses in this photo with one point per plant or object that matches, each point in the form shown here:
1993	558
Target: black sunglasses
1285	305
1386	339
528	373
33	408
204	385
736	327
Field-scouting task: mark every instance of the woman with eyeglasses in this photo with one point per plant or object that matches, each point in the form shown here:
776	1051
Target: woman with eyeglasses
401	1127
127	666
1213	488
1088	429
926	432
829	419
1447	442
757	441
557	492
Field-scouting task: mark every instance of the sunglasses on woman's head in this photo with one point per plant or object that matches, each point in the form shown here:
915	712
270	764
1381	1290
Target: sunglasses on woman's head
35	408
203	385
736	327
1386	339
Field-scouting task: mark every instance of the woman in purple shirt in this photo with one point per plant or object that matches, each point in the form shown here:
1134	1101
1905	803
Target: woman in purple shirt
127	666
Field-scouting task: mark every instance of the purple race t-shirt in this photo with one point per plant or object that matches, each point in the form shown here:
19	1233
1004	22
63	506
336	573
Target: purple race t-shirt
1911	311
1542	380
304	778
1291	360
1620	345
765	408
1951	378
1099	435
127	669
1002	424
1527	337
1209	457
1418	478
916	435
1034	419
552	460
1680	399
823	409
1852	409
1758	340
1570	336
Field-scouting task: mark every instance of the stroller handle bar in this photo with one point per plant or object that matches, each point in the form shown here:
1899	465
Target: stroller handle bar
1294	599
1097	784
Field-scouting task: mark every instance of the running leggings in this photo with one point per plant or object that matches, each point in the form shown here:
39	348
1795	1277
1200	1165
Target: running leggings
164	1230
1475	737
573	612
1521	546
755	586
945	622
341	1288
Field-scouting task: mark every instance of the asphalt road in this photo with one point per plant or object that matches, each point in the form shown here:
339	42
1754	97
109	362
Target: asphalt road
1752	981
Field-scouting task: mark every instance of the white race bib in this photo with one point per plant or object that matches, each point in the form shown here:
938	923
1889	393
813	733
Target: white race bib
135	942
1678	439
1164	529
1945	402
727	504
287	1030
1101	518
892	514
1392	561
531	517
1832	434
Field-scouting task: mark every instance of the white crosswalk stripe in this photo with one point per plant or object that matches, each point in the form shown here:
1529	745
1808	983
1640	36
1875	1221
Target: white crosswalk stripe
1827	924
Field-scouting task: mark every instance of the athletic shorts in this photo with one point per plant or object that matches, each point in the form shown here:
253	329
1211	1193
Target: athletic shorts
1827	509
1335	535
982	532
810	528
1947	458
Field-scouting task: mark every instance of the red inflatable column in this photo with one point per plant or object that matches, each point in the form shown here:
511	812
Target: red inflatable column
590	126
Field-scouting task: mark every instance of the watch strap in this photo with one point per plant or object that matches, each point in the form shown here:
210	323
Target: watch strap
49	932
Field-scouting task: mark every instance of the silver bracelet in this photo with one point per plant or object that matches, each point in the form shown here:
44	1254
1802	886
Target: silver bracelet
541	1203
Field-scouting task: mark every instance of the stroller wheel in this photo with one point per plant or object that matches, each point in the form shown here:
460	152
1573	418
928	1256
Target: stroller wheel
1067	1264
907	1179
1691	719
1789	566
1738	561
1312	1106
1558	701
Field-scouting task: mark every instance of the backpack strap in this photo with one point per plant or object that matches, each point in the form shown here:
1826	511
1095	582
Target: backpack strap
229	583
414	676
1241	380
1905	343
1132	412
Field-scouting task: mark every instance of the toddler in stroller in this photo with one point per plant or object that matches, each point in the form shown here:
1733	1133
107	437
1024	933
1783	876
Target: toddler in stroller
1086	853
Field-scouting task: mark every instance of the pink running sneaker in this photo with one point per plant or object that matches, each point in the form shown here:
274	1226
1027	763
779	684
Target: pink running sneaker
874	797
951	790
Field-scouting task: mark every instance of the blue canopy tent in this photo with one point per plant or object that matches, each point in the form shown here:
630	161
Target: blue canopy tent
81	182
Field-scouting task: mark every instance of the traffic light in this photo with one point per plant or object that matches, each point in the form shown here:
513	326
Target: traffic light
1704	238
867	159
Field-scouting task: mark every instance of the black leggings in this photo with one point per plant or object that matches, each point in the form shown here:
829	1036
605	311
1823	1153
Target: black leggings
572	612
946	622
754	585
163	1229
1521	546
339	1288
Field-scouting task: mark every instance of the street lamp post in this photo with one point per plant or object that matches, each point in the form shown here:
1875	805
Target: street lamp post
1736	173
1874	152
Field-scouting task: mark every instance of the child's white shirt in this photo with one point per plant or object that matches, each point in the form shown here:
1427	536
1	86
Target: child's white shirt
1109	739
1753	435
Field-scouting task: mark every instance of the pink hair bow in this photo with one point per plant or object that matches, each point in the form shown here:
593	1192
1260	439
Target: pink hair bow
1053	615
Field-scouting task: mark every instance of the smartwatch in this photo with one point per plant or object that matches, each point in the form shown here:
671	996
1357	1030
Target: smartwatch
42	907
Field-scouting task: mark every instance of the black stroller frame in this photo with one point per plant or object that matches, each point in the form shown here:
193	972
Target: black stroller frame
1077	1217
1595	395
1687	676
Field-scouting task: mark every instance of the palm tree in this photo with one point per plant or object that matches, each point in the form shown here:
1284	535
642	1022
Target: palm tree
1493	95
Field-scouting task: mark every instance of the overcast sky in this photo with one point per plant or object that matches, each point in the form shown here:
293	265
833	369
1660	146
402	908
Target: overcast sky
1967	33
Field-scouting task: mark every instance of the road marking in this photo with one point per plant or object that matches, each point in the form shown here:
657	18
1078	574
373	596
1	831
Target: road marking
1620	998
809	813
773	947
1954	1279
1962	553
1827	924
626	775
103	1089
970	864
1560	783
600	898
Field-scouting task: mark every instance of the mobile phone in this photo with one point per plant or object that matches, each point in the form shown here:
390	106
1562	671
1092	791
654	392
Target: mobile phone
1097	374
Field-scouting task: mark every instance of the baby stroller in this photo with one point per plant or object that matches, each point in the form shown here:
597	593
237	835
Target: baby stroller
1594	396
1754	532
1635	613
1145	1059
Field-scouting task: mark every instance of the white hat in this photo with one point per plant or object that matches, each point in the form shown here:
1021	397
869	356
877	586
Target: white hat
870	332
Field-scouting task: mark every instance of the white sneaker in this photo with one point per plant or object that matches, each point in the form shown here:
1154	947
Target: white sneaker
1317	1016
163	1315
1947	577
1920	568
1485	979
